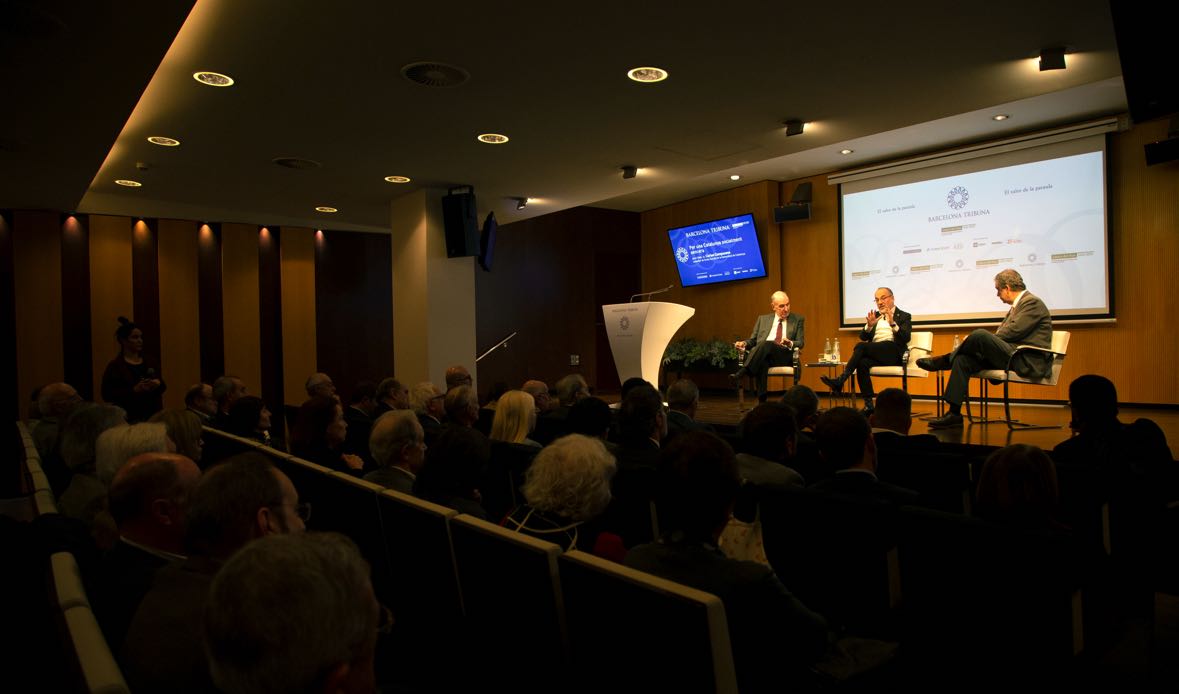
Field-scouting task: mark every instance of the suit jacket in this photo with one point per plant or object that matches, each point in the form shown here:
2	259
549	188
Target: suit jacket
795	330
863	485
767	473
678	422
904	330
1029	323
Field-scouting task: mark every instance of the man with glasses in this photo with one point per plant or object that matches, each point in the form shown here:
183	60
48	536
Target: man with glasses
882	343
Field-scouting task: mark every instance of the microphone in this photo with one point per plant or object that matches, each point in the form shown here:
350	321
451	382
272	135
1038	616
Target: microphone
668	288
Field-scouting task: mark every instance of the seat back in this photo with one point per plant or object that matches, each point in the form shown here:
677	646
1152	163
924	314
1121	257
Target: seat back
920	345
1060	340
89	655
631	630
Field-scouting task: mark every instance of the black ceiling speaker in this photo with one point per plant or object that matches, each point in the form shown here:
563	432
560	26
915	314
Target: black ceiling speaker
799	207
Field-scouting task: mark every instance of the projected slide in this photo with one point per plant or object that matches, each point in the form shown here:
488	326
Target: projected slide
717	251
938	243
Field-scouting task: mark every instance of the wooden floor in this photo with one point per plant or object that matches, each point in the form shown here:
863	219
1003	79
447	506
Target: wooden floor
722	409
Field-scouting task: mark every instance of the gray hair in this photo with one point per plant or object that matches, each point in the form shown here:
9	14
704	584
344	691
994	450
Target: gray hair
118	445
55	398
571	478
682	394
223	386
1011	279
286	610
392	432
387	387
421	395
569	386
459	399
81	430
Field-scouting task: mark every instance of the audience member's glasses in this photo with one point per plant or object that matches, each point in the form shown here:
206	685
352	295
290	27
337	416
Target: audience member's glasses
303	511
385	620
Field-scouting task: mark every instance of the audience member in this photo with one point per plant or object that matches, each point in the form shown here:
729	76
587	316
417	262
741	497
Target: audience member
54	402
239	500
184	429
360	414
455	463
226	391
807	460
515	418
572	388
457	376
539	391
320	385
768	437
642	425
567	489
131	380
199	400
391	395
429	405
683	400
891	421
148	501
249	418
293	613
591	417
462	406
117	445
846	444
1017	486
773	635
319	433
85	497
398	446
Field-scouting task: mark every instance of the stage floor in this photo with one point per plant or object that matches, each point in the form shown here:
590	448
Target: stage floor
722	409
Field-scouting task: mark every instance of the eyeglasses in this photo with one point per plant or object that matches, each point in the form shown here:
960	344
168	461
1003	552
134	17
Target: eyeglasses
882	298
384	620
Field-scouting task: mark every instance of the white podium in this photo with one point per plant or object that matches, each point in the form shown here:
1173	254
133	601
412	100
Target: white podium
639	334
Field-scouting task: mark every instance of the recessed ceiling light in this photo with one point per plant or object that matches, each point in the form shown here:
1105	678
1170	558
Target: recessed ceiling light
846	151
647	74
1000	116
397	179
735	177
493	138
213	79
163	141
325	208
129	183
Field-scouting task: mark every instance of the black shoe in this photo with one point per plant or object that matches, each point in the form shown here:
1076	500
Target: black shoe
735	377
867	410
941	363
946	421
835	384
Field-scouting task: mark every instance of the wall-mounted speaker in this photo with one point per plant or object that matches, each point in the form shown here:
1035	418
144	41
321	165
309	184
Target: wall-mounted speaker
792	212
461	224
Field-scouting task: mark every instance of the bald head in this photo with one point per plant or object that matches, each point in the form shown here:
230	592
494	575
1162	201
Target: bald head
539	391
456	376
57	399
149	498
780	303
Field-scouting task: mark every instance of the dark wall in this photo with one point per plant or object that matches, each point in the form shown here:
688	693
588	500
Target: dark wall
550	277
354	308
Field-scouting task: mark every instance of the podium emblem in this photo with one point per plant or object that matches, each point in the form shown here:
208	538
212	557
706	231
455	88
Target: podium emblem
624	323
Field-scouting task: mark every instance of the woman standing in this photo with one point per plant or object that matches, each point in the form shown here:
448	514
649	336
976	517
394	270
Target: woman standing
130	381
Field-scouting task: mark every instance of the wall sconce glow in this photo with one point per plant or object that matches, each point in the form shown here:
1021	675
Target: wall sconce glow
735	177
647	75
325	208
128	183
397	179
493	138
846	151
213	79
163	141
1000	117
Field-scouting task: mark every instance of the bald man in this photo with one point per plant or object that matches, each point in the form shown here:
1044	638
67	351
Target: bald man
774	338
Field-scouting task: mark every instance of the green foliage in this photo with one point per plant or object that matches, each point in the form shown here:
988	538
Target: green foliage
687	350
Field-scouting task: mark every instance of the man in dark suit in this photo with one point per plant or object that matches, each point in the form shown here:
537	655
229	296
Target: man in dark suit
360	415
891	421
1028	322
882	343
845	440
427	401
683	399
773	341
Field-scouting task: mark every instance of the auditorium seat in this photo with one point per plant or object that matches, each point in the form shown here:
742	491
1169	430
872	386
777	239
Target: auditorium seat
1058	350
96	669
945	481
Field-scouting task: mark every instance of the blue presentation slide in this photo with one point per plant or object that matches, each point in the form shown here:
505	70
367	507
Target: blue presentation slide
717	251
939	243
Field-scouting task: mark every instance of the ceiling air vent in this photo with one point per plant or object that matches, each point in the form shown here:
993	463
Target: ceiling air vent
296	163
430	74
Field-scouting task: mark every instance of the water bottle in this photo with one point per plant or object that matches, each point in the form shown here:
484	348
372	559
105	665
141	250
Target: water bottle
835	352
826	351
957	343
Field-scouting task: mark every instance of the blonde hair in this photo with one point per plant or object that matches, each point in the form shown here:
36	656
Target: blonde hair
185	429
515	417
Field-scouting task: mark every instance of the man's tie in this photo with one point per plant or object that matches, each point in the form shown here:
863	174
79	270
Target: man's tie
778	335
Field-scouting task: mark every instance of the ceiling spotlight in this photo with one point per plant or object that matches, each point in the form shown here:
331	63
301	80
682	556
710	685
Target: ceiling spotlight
129	183
630	171
521	203
325	208
793	127
1000	117
735	177
1052	58
493	138
397	179
647	74
213	79
163	141
846	151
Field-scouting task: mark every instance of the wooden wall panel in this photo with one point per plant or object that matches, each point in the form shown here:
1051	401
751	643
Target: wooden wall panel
298	310
726	311
145	287
270	340
13	405
180	333
36	242
111	293
211	300
75	312
240	310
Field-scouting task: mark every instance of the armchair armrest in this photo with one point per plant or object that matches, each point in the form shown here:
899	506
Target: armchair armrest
1024	348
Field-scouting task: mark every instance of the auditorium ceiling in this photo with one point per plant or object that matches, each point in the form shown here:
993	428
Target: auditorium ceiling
324	83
